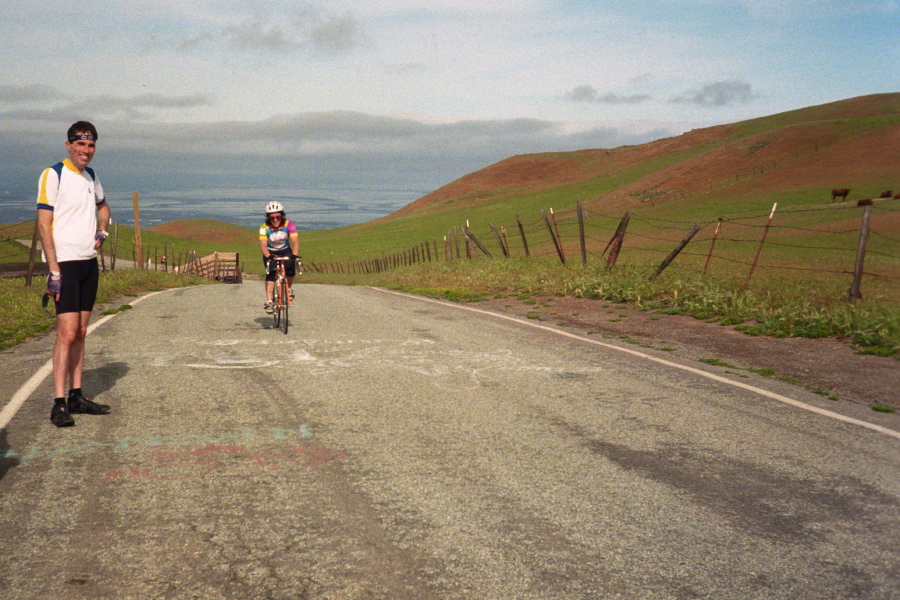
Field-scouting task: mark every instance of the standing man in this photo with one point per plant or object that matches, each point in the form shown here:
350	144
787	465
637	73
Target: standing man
72	218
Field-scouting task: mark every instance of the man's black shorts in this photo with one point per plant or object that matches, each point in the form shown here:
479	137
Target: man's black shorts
289	267
80	279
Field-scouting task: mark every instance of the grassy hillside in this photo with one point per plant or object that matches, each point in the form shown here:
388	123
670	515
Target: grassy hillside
794	158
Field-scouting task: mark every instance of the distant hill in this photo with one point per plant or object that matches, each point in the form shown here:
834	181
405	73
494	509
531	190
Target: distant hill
206	230
852	143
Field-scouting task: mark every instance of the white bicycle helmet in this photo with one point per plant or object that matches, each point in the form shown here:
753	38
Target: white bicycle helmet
274	207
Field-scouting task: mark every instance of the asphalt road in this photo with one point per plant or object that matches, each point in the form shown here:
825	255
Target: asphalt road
394	448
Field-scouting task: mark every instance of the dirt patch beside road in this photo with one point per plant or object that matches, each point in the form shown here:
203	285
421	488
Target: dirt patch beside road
828	365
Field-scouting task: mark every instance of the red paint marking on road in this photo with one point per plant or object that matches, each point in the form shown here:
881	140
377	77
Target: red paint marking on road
217	449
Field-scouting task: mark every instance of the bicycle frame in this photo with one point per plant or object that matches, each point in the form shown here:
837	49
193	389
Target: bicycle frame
281	296
280	276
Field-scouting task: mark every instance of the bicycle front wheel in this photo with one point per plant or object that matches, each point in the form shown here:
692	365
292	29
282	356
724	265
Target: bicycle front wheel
276	313
283	303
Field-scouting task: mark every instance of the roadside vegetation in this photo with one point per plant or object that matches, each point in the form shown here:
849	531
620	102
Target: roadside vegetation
787	307
23	317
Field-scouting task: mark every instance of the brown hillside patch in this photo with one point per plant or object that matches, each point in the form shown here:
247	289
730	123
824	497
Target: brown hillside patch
202	230
874	105
871	157
791	158
807	148
533	172
518	173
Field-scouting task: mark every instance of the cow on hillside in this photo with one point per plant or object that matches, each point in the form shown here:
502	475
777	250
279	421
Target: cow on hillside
840	193
886	194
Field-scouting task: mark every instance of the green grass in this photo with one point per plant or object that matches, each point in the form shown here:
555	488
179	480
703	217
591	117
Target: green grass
23	317
115	311
12	251
717	363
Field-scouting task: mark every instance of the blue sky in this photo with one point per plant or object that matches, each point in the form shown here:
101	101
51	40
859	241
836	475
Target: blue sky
407	94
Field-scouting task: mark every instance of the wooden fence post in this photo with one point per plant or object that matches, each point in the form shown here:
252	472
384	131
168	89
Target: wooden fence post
559	243
35	236
855	293
115	252
759	249
562	257
522	233
712	245
139	259
475	241
499	241
619	228
675	252
615	244
581	233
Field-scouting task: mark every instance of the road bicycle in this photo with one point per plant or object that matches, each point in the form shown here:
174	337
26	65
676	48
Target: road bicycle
282	296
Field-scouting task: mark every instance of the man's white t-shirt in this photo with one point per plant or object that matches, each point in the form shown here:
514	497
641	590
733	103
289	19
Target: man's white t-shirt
73	196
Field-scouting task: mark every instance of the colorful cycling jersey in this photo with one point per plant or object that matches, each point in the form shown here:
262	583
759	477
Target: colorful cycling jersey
73	196
278	239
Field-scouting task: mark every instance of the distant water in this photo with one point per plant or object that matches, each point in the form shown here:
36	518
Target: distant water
310	209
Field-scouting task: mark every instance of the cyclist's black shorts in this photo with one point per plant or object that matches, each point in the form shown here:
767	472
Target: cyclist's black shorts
80	279
289	266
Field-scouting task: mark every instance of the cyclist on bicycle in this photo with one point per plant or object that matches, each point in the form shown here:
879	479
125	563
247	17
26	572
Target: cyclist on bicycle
278	237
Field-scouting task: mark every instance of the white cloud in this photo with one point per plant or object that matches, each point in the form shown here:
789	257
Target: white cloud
57	102
302	28
717	94
23	94
586	93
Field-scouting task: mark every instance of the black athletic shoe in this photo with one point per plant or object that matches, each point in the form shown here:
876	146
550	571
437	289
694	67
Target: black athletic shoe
80	404
60	416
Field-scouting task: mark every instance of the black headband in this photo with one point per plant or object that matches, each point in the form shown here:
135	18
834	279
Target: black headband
81	136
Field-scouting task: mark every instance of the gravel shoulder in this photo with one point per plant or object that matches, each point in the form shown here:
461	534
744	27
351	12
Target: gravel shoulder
830	366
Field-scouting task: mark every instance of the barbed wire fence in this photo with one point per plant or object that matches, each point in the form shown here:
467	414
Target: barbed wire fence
792	242
114	253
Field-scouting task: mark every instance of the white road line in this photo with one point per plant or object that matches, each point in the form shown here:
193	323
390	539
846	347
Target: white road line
28	388
766	393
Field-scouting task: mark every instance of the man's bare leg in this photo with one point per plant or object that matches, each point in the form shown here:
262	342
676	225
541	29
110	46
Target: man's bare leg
68	354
